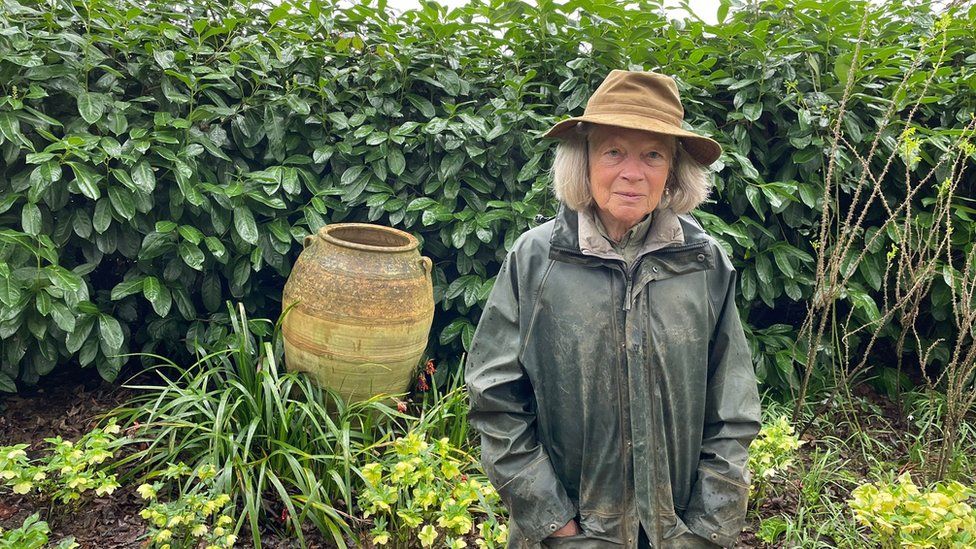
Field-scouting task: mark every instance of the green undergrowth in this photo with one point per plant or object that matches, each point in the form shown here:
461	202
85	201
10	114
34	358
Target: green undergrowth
811	503
233	448
289	455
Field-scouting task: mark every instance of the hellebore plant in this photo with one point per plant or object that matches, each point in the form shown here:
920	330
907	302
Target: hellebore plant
67	471
772	453
899	514
419	494
199	516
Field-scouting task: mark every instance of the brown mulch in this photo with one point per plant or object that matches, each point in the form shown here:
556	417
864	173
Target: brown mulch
68	406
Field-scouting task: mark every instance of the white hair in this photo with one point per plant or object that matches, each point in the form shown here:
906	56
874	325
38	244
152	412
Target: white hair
687	187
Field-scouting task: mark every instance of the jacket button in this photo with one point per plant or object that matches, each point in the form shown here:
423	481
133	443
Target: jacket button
654	269
552	527
714	536
701	257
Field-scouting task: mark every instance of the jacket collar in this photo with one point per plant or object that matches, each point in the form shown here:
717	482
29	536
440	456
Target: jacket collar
665	230
575	237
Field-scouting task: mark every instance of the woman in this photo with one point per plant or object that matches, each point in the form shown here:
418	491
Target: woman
609	375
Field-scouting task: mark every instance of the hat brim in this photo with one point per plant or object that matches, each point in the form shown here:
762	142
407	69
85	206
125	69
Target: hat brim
701	148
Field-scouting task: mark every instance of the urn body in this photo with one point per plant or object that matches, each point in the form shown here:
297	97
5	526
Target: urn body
359	305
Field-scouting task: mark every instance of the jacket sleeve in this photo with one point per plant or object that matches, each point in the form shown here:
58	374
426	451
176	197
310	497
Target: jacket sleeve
503	410
717	508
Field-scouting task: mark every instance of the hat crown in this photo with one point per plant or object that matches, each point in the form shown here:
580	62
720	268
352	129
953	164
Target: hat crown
644	101
638	93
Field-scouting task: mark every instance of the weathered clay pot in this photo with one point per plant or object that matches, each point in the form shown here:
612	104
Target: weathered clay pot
364	306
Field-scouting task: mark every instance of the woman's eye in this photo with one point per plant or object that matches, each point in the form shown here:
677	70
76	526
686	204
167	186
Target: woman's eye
654	155
613	152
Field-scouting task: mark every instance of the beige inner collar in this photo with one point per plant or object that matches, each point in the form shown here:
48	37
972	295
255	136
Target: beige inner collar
665	230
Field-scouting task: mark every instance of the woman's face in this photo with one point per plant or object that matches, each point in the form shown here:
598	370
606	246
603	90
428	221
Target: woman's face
628	170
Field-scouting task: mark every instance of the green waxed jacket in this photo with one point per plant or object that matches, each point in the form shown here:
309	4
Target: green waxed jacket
625	398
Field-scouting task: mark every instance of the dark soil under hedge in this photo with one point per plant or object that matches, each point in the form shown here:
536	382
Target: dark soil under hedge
69	406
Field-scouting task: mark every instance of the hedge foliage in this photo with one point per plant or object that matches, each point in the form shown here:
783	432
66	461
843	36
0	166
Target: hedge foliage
159	158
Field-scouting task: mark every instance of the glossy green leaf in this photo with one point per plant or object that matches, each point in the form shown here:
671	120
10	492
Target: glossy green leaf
30	219
111	332
91	106
103	216
396	161
127	288
245	225
192	255
122	202
143	176
87	180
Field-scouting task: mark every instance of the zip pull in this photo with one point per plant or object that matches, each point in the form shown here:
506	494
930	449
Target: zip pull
628	292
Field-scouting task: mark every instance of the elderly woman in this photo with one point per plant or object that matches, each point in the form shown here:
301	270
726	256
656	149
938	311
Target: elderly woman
609	376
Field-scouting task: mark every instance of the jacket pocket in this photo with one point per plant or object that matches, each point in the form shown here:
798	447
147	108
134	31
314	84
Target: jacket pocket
717	509
564	541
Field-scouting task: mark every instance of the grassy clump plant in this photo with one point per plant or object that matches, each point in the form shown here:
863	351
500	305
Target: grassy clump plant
281	446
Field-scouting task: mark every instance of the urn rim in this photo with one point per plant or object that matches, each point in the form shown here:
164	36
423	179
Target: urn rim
367	237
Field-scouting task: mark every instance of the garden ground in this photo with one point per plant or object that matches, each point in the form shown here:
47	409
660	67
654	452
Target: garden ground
69	406
806	508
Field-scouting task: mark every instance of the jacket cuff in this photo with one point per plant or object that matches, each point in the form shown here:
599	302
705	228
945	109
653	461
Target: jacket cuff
538	528
717	508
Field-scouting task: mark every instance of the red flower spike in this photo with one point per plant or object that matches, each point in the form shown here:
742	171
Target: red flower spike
422	385
284	514
430	368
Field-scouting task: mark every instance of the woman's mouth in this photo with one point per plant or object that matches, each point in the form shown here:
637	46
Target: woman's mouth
630	197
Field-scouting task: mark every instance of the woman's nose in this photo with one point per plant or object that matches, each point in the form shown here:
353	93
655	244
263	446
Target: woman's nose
631	170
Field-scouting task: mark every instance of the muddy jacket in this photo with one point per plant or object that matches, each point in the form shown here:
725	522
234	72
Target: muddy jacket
621	397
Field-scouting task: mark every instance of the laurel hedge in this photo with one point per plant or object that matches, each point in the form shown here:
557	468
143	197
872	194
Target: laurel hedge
160	158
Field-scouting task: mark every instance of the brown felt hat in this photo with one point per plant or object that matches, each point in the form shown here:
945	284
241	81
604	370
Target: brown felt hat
641	101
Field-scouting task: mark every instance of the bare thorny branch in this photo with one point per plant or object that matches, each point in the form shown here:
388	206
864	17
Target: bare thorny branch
923	248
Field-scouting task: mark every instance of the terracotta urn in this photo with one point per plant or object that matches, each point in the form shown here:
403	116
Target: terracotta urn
359	304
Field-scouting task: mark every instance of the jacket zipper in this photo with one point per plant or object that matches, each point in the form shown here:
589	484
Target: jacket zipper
629	293
628	284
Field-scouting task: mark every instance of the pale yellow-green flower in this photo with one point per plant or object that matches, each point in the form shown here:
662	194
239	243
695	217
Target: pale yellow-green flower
502	535
224	520
427	536
373	473
381	538
106	488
